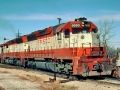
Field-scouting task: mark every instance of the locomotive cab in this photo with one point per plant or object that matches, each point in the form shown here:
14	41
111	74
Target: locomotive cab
86	38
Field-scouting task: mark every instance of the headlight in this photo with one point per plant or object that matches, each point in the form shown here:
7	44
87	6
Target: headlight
85	24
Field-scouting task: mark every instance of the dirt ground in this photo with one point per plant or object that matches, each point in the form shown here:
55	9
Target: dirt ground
25	79
11	82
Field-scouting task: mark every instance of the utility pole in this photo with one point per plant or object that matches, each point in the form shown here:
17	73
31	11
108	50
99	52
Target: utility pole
59	20
18	34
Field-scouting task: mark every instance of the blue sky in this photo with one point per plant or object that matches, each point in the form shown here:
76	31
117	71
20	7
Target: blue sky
31	15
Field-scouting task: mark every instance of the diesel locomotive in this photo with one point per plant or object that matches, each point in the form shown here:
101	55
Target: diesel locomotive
71	48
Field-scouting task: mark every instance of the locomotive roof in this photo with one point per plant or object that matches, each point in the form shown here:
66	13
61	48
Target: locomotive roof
32	36
43	32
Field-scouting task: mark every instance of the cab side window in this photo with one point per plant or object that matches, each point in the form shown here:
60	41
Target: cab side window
67	33
95	30
59	36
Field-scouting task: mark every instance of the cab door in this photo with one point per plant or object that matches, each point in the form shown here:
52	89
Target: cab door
59	39
66	39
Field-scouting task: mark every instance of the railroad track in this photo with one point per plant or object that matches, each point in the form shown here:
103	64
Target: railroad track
112	81
107	80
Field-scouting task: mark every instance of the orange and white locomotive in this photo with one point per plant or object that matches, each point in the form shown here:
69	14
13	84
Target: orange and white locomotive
72	48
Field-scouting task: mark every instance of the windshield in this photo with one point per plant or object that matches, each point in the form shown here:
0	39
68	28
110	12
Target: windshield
77	30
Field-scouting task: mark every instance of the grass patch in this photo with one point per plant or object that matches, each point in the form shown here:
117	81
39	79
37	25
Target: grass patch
58	86
47	86
4	72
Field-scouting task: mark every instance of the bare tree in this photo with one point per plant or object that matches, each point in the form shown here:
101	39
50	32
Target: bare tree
105	32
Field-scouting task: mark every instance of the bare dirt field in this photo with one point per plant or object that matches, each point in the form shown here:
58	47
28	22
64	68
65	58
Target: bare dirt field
11	82
25	79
